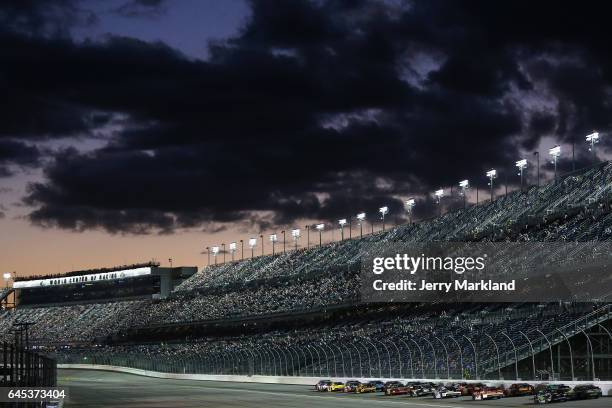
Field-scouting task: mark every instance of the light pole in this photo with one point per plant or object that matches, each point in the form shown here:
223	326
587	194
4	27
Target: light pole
307	236
295	233
360	219
262	245
232	248
252	245
342	223
521	164
409	207
215	251
537	154
6	276
593	139
320	228
439	194
555	152
208	254
242	249
464	185
273	239
492	175
284	242
223	245
383	211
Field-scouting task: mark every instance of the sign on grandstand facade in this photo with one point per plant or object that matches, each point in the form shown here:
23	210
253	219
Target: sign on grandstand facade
88	278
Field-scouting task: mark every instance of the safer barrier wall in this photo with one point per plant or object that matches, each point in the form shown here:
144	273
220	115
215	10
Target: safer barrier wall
606	386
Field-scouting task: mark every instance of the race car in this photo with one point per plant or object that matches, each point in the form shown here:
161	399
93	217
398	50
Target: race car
487	393
444	392
351	386
552	393
335	386
422	389
517	390
461	387
470	388
378	384
322	385
390	384
365	387
586	391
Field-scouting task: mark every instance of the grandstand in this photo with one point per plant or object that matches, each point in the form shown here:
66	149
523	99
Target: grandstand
300	313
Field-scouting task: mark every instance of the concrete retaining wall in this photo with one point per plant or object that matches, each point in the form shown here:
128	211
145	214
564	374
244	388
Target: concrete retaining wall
606	386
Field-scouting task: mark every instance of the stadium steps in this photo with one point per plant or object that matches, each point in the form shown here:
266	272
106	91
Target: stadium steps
4	293
555	337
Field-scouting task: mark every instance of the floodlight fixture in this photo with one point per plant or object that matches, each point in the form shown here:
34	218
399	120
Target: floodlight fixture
252	245
383	211
232	248
295	233
521	164
439	194
273	239
593	139
409	206
215	252
342	223
555	152
320	228
360	219
464	185
492	175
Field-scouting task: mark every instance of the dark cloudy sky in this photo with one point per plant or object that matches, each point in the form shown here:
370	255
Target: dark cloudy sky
138	129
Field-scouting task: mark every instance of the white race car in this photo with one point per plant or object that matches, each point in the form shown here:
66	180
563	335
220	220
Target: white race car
443	392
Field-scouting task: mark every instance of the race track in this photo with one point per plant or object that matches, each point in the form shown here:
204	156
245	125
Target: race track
93	389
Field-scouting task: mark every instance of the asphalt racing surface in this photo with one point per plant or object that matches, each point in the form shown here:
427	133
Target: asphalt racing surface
93	389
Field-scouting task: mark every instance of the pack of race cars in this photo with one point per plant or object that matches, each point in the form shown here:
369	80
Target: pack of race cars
542	394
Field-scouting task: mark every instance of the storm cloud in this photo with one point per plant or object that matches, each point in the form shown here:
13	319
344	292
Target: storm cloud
313	110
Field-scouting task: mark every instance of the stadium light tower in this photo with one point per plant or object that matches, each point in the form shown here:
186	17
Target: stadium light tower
208	254
320	228
215	251
439	194
232	248
492	175
307	236
7	277
273	239
383	211
465	186
593	139
361	219
555	152
409	207
284	242
342	223
223	245
295	233
252	245
521	164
